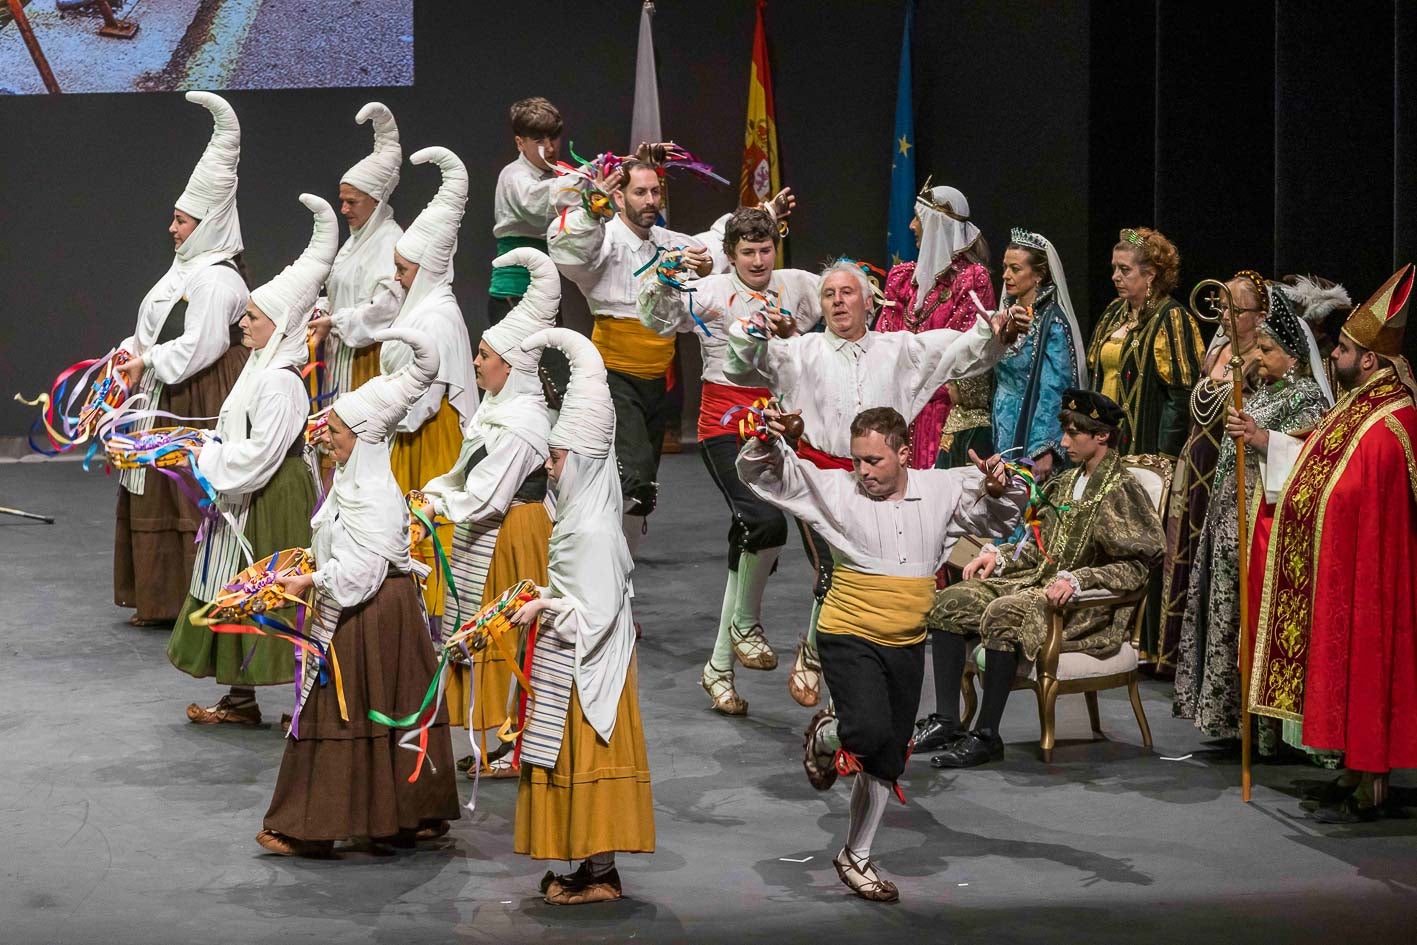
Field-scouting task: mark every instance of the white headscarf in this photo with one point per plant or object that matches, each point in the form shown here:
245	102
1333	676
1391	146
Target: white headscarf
363	259
378	174
586	423
520	402
285	300
210	197
1065	302
432	239
211	190
944	234
430	306
519	408
365	499
589	567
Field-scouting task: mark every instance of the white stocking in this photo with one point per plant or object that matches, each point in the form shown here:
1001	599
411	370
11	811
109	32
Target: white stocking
869	796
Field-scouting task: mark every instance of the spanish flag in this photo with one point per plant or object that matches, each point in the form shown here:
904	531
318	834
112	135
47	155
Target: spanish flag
761	177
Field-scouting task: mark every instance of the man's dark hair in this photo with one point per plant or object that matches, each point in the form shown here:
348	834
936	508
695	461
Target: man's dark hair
1084	424
748	224
886	421
535	118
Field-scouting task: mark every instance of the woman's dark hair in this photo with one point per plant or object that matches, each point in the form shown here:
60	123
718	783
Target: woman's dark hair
241	269
976	252
1037	261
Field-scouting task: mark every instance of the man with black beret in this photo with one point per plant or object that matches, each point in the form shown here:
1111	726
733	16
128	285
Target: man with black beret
1098	531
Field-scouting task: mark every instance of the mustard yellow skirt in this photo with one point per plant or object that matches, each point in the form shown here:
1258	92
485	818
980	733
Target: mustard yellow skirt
520	553
417	457
597	799
364	366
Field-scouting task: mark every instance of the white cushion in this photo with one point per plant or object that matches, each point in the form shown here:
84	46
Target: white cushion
1076	665
1151	481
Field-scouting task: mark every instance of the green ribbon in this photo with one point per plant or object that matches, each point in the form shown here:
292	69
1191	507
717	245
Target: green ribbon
409	721
442	558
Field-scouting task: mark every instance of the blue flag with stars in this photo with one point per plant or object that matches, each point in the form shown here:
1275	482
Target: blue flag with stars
900	242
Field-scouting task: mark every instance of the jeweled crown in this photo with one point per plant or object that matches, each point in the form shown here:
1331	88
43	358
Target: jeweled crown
1027	238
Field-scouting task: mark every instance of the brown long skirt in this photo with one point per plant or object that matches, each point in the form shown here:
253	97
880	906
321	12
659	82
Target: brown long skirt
155	533
598	798
350	779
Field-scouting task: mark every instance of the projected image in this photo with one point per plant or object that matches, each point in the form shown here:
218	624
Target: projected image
171	45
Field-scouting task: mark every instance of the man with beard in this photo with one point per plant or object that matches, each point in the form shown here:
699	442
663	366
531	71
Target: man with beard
605	256
1336	641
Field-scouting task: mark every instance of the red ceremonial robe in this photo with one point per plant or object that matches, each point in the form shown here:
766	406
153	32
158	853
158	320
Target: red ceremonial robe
1337	632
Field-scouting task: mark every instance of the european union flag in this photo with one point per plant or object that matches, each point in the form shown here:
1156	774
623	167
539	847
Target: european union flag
900	242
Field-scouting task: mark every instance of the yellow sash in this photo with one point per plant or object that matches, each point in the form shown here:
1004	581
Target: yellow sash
631	348
882	608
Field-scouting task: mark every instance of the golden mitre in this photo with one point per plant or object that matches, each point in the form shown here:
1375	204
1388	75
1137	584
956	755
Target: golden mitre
1378	323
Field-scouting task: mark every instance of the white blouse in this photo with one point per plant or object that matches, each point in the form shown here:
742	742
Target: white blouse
908	537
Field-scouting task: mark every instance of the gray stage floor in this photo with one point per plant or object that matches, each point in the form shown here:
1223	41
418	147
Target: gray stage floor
122	823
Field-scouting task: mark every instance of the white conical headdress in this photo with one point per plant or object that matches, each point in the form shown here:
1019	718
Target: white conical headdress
211	190
587	420
536	310
286	299
378	174
213	180
374	410
433	238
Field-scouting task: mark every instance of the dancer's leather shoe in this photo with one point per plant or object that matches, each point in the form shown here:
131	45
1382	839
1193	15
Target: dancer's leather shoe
934	733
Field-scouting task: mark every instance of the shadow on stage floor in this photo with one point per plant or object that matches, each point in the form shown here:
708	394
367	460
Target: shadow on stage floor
122	823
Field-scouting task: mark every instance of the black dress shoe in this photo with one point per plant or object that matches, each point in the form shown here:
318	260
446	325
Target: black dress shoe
934	733
970	750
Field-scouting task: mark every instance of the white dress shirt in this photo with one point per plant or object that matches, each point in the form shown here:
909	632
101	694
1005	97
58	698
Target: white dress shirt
601	258
831	379
525	200
908	537
719	301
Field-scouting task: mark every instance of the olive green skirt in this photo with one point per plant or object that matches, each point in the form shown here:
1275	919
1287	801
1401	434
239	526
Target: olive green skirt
279	518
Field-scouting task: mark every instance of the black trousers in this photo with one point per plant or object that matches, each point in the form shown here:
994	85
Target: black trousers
819	554
641	412
876	692
756	524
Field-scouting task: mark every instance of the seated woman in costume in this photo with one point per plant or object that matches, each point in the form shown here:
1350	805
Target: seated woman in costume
343	775
265	490
496	495
585	785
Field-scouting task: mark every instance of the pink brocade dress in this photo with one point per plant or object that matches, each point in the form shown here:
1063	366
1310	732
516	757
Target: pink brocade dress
947	305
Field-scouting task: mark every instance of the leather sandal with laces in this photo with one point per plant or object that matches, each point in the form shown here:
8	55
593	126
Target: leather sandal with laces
224	712
860	877
719	685
817	761
751	647
804	682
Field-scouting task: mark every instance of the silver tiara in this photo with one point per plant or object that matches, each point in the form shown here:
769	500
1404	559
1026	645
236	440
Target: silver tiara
1026	238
